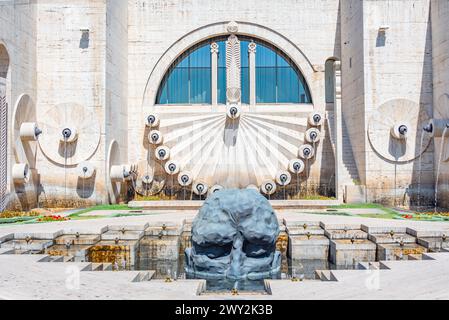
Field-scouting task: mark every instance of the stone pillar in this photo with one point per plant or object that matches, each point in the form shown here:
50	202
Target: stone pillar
252	47
214	66
338	131
3	144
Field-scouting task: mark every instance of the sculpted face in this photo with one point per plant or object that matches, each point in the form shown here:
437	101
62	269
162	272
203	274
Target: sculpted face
234	236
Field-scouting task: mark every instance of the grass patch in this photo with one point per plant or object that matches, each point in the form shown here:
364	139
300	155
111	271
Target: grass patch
389	216
16	220
359	206
114	207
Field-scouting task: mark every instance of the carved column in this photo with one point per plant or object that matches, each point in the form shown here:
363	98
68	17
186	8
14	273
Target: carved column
233	90
214	66
338	131
252	47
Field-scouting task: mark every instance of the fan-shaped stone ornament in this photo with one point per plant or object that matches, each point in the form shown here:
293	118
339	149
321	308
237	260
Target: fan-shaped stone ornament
396	128
232	154
70	133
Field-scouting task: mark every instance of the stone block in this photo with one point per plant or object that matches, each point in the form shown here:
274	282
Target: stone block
315	247
383	229
6	237
37	235
349	253
155	248
394	251
137	227
121	252
164	230
434	244
381	238
427	233
346	234
122	235
33	245
340	226
87	239
300	230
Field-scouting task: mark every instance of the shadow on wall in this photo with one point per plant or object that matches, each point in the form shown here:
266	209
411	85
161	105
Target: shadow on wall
427	188
327	166
85	187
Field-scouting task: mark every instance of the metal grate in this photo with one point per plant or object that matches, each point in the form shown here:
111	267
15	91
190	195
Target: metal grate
3	152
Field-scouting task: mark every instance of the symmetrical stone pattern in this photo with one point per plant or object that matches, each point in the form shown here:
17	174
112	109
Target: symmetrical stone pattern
110	57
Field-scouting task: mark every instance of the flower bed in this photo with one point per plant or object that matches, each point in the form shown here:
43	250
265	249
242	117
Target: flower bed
53	218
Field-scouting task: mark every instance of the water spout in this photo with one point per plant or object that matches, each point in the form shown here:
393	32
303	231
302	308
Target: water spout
28	239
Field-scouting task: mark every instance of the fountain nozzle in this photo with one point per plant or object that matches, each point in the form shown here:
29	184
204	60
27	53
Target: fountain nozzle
37	132
66	133
428	128
403	130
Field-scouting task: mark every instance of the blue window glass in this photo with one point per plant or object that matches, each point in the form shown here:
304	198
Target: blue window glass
221	81
277	79
189	79
244	76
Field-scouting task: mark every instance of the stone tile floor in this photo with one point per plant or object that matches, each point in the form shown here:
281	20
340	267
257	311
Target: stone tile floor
23	277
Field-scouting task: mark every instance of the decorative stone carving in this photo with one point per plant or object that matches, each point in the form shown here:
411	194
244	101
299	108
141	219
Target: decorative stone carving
214	48
70	133
233	92
232	27
196	141
252	47
395	130
234	236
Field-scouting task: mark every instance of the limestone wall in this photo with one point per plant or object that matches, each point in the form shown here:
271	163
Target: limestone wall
18	36
116	107
71	69
440	43
397	65
353	81
155	26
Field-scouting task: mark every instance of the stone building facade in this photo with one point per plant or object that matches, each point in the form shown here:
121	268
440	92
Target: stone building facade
100	97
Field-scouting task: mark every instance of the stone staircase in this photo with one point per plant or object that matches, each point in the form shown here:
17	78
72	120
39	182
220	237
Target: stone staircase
349	172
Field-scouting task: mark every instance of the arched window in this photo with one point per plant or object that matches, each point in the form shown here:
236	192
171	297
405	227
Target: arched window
329	80
188	80
277	79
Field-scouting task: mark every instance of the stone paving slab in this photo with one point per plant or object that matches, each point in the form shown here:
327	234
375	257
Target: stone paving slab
22	277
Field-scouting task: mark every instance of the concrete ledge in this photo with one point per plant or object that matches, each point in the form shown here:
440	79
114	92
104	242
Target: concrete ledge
195	204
